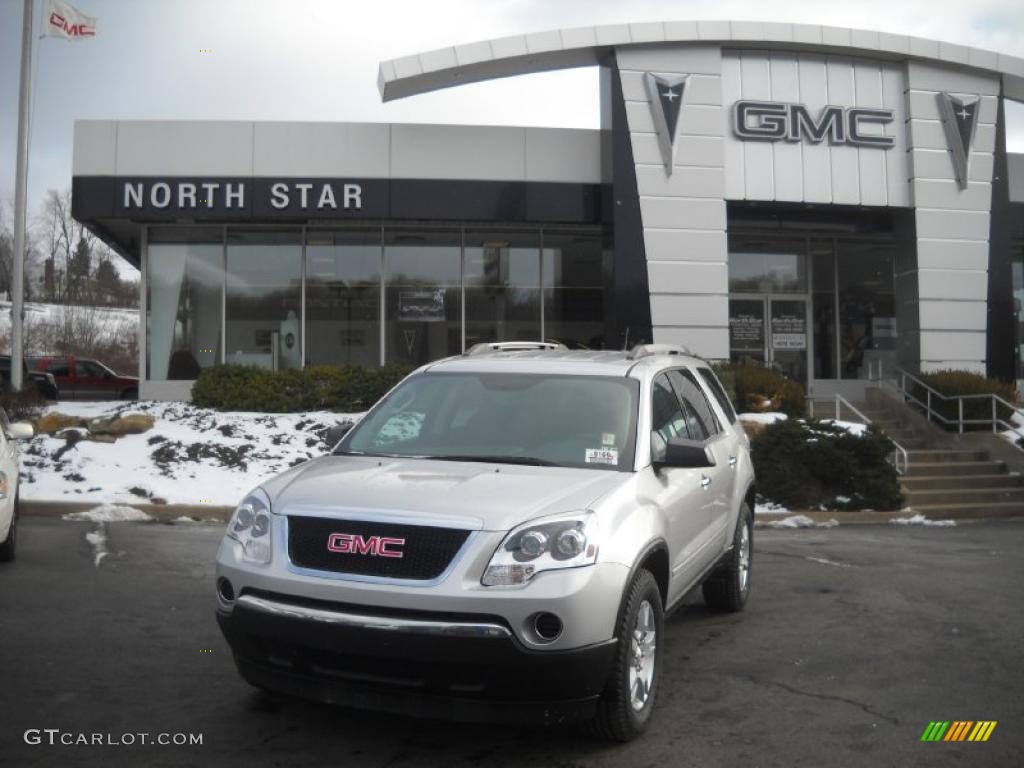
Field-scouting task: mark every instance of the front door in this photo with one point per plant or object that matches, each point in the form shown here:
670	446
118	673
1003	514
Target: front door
771	330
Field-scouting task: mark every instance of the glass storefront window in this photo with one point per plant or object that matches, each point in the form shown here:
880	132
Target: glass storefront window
423	311
823	267
185	276
443	289
264	298
764	265
867	307
1017	268
575	269
501	271
343	273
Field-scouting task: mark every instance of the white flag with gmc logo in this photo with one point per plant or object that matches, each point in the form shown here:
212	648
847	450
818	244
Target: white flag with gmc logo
62	20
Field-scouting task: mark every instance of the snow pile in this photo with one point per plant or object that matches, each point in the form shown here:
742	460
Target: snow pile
920	519
768	417
1017	432
768	508
109	513
191	456
98	540
798	521
855	428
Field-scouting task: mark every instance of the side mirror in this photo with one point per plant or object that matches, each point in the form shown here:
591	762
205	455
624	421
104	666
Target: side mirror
21	430
683	453
335	433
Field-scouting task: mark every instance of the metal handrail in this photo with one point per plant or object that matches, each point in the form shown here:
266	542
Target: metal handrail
900	458
931	393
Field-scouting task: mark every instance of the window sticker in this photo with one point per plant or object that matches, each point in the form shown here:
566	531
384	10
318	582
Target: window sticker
602	456
607	438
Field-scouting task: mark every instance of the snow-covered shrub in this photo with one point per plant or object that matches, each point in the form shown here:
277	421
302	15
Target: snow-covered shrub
808	464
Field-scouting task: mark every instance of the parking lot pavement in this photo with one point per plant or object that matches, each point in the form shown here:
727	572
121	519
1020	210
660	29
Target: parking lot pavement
853	640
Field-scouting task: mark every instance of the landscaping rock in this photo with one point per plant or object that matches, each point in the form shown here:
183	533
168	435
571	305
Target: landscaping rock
126	424
55	421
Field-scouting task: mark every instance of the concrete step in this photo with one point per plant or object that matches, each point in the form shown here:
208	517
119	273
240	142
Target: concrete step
965	496
954	482
971	510
952	468
934	455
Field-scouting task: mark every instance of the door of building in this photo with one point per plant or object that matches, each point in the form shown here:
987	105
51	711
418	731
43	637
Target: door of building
772	330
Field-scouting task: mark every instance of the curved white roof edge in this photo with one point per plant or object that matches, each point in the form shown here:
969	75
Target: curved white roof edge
587	46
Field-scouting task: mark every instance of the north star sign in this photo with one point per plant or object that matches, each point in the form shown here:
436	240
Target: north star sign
778	121
183	196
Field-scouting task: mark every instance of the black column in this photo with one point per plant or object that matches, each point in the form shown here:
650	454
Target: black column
631	306
1001	330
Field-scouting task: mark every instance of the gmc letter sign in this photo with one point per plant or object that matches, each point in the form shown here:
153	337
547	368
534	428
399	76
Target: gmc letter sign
775	121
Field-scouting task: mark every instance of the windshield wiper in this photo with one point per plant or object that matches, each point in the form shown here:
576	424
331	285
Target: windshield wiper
528	460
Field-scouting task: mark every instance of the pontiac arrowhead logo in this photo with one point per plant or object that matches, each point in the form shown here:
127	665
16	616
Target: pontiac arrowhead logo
666	97
959	120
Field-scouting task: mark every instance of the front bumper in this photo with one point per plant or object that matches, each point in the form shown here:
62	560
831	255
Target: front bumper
467	667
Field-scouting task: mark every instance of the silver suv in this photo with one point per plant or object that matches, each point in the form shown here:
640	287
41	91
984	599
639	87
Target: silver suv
500	537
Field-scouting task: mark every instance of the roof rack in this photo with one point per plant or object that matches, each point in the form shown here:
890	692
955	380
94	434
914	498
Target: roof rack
512	346
646	350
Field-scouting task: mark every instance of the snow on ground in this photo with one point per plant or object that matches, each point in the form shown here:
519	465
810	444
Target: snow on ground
191	456
798	521
98	540
109	513
855	428
768	508
768	417
109	319
920	519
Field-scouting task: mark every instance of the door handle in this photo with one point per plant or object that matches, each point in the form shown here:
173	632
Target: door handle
732	461
705	481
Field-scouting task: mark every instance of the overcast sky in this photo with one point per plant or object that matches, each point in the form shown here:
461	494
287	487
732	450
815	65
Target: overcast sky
317	60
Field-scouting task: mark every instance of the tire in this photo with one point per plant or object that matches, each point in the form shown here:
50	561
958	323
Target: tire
618	718
8	546
130	394
726	591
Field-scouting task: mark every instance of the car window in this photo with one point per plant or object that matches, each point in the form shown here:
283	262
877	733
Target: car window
572	421
87	368
58	368
668	419
700	418
716	389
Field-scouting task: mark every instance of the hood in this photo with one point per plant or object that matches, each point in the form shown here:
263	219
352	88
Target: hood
494	497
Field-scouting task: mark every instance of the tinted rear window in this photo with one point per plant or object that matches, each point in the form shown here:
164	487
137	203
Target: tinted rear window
716	389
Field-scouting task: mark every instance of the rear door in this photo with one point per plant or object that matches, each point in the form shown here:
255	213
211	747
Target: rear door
681	493
722	445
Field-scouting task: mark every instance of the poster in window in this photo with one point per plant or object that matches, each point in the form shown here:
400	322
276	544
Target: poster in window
746	330
421	306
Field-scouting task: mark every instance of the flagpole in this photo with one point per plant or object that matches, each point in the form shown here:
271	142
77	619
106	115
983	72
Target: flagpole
20	205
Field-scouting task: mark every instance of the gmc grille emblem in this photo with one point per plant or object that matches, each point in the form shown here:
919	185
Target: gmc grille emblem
374	546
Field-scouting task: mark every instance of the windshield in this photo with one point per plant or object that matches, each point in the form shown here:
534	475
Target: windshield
566	421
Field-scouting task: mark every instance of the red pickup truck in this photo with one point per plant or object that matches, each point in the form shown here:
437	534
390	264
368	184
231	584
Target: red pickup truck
80	378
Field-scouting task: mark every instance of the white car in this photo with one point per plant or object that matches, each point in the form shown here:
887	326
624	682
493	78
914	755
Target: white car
9	432
499	538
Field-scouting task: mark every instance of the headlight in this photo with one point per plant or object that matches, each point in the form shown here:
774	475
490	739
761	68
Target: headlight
4	485
543	545
250	527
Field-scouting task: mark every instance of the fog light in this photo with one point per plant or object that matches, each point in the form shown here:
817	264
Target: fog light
225	590
547	626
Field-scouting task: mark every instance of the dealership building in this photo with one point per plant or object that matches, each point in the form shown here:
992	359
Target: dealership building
828	201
